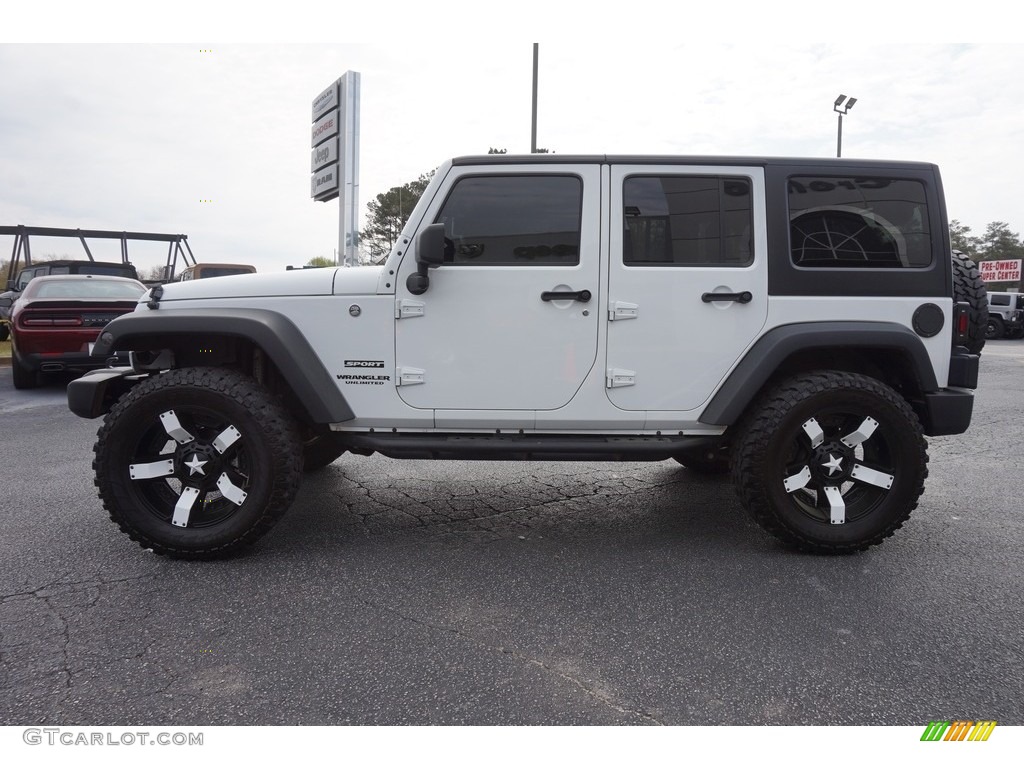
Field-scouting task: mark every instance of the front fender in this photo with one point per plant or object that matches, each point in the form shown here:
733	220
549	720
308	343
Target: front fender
279	338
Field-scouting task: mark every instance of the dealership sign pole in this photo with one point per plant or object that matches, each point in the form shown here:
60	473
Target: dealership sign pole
335	158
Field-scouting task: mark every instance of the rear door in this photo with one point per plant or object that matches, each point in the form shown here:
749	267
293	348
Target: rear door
688	281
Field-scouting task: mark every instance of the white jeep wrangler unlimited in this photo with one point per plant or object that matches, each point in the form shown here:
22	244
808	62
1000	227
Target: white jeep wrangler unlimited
799	322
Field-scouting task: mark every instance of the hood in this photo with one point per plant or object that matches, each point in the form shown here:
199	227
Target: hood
296	282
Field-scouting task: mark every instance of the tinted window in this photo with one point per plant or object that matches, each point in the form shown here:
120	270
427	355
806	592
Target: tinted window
224	271
513	220
89	289
687	221
1003	301
113	271
858	222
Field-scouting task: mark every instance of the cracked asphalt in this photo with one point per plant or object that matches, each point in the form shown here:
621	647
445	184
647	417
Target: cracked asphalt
513	593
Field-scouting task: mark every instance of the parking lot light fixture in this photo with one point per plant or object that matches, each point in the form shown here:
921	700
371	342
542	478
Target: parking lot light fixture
842	109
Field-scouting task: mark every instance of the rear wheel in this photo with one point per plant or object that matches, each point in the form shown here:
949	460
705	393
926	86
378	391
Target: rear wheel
24	377
830	462
995	328
197	462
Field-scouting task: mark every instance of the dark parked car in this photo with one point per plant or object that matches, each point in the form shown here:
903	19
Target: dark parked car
59	267
57	318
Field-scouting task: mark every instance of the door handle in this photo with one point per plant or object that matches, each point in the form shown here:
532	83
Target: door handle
583	296
744	297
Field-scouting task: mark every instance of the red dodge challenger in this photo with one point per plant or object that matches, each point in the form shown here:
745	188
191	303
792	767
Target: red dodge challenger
57	318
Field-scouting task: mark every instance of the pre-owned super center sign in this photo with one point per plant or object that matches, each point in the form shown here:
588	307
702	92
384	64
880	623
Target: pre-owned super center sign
1000	271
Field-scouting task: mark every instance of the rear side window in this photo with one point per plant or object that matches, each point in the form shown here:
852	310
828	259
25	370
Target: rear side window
513	220
857	222
689	221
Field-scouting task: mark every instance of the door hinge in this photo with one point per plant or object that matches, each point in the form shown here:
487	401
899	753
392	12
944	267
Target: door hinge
408	308
408	376
619	377
622	310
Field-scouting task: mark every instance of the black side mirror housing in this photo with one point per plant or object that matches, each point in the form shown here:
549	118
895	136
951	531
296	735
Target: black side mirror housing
429	254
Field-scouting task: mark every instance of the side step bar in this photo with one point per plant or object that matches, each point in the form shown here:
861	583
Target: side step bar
516	447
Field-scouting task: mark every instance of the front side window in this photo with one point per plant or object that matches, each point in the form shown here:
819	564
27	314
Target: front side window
513	220
687	221
851	222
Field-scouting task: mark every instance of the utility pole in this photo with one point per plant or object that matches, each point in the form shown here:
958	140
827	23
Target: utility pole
533	132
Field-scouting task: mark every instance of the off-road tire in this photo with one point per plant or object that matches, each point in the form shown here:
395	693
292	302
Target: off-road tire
320	452
775	447
968	286
708	461
263	462
24	378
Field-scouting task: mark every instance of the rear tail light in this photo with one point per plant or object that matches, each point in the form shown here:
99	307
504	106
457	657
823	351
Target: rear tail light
961	323
49	321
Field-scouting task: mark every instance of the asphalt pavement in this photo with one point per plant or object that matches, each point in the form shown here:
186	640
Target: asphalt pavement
455	593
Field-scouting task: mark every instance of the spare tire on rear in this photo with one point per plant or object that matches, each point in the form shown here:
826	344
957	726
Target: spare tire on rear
968	286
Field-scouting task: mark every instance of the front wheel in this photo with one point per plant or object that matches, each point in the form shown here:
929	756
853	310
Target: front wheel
830	462
197	462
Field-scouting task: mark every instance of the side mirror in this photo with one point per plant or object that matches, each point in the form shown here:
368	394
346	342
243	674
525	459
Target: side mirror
429	254
6	302
430	246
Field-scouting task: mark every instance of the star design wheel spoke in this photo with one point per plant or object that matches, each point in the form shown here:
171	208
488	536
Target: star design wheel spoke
151	470
183	509
229	490
862	433
226	438
872	476
814	431
797	481
173	428
837	505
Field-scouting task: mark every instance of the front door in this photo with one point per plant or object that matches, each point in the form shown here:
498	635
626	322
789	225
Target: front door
510	320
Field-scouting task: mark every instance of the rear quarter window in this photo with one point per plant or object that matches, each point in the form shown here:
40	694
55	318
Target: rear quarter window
852	222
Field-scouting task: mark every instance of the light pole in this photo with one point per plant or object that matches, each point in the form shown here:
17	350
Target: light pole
845	108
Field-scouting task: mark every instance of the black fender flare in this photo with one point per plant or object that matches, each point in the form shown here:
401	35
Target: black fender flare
772	349
278	337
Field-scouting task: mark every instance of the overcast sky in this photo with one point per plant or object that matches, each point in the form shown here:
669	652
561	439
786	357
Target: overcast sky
141	136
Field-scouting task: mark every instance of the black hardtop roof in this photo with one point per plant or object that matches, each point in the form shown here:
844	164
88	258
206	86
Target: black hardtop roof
837	164
72	262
